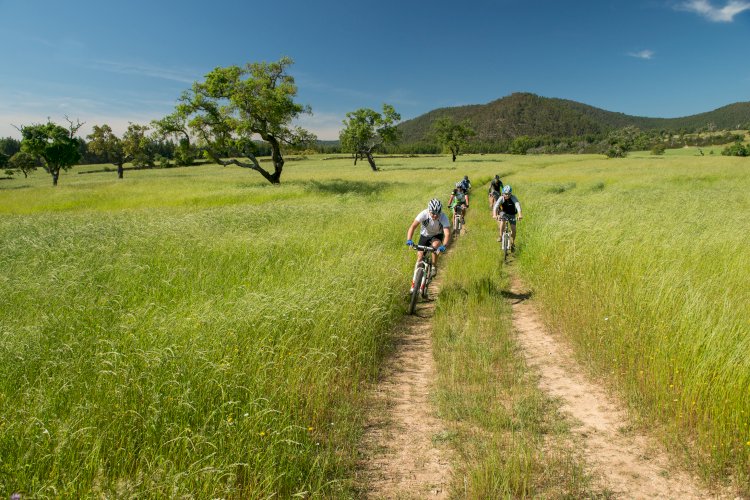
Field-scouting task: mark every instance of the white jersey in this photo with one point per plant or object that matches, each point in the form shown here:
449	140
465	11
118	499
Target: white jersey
430	226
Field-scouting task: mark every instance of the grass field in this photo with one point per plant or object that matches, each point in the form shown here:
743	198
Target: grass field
644	264
197	331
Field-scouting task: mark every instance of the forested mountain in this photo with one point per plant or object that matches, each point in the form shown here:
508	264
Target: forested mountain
525	114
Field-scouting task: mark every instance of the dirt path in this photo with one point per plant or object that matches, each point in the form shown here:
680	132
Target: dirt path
401	458
629	464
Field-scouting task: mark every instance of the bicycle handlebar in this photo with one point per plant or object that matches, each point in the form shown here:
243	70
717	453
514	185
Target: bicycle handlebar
424	248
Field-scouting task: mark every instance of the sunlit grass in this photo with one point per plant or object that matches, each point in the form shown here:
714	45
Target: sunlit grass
198	331
644	262
510	438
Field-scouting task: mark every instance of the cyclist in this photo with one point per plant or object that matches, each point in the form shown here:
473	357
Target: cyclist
435	231
459	199
506	210
496	186
466	184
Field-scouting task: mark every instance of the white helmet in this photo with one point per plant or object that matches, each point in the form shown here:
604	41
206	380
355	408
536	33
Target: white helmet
435	206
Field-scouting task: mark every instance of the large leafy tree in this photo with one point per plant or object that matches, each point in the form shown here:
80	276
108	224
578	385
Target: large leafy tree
451	135
365	130
56	147
235	104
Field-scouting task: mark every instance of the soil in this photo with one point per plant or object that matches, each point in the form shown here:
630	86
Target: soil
403	456
624	461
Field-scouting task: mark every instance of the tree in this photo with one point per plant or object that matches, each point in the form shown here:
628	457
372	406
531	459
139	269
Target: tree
452	135
9	146
22	162
365	130
103	142
233	104
736	149
54	146
176	126
138	146
521	145
4	162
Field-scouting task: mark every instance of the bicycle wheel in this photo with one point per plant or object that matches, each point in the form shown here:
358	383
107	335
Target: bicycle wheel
415	292
427	280
506	245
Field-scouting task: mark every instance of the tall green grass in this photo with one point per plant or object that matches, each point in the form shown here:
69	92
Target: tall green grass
197	331
644	263
510	438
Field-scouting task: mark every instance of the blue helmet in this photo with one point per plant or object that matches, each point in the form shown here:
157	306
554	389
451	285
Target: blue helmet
507	189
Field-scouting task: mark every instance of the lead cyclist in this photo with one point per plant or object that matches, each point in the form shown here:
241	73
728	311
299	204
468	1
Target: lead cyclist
435	231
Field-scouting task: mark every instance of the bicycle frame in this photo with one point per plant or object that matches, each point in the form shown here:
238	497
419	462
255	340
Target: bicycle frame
422	275
458	219
505	238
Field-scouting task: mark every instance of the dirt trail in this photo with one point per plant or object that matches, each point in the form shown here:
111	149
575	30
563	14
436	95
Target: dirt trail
401	458
629	464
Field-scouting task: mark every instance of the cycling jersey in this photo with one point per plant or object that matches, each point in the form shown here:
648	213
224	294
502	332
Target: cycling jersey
459	198
430	226
511	206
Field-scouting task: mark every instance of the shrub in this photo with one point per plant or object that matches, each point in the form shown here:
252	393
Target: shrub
736	149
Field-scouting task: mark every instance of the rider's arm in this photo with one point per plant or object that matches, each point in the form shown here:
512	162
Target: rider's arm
446	236
495	208
413	226
467	201
518	208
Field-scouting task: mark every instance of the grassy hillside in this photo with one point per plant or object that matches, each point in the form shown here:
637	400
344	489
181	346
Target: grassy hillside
532	115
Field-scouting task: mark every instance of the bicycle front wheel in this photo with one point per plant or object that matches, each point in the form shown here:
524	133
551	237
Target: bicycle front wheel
415	291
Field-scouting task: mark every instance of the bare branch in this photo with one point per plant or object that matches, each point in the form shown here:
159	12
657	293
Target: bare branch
74	127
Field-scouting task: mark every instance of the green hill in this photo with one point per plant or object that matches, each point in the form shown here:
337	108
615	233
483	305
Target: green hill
532	115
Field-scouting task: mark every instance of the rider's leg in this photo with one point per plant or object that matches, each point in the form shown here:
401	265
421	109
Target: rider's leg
512	235
501	225
435	244
420	256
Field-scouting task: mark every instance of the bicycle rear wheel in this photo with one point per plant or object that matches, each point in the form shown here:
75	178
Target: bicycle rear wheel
415	291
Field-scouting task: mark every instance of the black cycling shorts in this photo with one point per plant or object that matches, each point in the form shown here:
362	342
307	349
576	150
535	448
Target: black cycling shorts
426	241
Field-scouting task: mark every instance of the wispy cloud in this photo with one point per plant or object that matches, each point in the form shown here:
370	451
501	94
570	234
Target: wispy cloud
324	125
643	54
177	75
709	11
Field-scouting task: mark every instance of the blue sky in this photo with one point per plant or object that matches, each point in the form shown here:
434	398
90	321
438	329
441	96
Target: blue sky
118	61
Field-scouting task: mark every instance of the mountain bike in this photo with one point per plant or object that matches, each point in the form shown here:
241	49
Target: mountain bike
505	238
458	219
422	277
